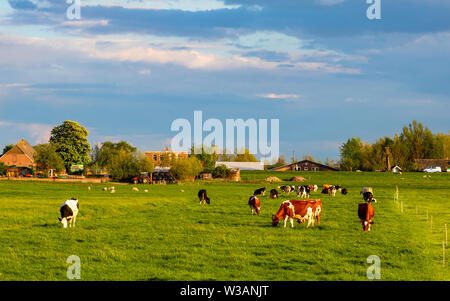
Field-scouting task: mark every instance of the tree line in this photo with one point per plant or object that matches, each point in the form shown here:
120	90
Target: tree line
416	141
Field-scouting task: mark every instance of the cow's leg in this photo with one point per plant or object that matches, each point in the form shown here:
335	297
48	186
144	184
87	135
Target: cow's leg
292	222
74	220
285	221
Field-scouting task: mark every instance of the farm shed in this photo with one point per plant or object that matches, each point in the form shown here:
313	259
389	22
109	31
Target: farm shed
20	158
305	165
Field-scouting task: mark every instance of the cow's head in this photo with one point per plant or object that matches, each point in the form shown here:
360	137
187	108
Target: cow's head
275	220
64	221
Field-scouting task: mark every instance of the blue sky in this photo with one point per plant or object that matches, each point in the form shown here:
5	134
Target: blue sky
128	68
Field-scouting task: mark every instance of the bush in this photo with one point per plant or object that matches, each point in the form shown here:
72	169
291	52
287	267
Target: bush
3	169
221	171
186	169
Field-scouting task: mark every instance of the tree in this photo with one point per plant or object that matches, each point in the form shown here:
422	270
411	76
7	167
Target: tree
245	156
208	157
47	158
3	169
221	171
186	169
7	148
351	154
71	143
122	160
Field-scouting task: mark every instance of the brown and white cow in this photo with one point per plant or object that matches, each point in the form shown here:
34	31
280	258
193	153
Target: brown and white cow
274	194
366	214
302	210
255	204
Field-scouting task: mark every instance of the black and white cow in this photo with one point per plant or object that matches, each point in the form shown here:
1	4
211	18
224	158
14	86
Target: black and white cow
285	189
303	191
261	191
203	197
69	212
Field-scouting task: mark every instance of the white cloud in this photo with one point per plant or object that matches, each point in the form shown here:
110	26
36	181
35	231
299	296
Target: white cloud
38	132
281	96
186	5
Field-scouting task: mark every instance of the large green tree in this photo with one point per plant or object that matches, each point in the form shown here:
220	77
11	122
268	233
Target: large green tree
121	159
351	154
47	158
70	140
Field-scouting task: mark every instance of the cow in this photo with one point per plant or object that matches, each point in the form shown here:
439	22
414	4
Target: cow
303	191
326	190
69	211
273	194
255	204
344	191
368	197
333	191
285	189
203	197
261	191
326	186
315	188
366	189
366	213
293	187
301	210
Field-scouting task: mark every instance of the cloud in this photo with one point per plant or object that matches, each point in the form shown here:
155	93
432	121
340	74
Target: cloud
38	132
281	96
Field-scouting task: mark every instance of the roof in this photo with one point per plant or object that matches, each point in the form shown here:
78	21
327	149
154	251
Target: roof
303	161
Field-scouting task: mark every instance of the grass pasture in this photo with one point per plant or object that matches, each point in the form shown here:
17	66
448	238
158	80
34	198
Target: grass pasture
166	235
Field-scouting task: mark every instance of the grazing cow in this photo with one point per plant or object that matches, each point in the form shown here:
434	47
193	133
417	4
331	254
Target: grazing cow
69	210
293	188
273	194
316	188
333	191
368	197
344	191
255	204
203	197
326	186
366	213
105	189
135	189
338	187
326	190
303	191
301	210
366	189
285	189
261	191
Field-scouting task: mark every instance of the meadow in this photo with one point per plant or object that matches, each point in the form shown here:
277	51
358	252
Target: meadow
166	234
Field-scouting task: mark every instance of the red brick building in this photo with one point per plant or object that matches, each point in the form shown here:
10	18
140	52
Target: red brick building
160	156
20	157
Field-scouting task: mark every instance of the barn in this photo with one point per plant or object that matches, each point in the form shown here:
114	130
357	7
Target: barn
20	159
305	165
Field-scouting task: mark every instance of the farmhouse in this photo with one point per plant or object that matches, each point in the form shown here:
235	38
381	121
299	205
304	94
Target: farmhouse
165	156
20	159
305	165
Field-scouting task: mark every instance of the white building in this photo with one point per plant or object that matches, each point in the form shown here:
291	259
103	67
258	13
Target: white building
242	165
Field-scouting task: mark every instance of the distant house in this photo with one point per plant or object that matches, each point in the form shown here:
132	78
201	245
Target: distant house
305	165
160	156
396	169
242	165
424	163
20	158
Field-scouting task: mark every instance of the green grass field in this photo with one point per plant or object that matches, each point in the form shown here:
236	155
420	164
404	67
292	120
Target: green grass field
166	235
